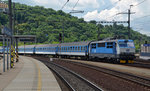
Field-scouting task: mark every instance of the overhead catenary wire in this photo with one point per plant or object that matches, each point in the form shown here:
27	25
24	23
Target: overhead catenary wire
142	17
111	5
126	9
64	5
140	3
73	9
75	5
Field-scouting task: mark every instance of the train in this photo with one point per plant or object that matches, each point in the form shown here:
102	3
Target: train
145	51
110	50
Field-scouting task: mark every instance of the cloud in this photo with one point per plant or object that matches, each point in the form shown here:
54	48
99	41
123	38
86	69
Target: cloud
123	6
119	7
91	15
57	4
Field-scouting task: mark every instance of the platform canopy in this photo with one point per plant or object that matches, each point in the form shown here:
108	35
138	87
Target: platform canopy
26	38
22	38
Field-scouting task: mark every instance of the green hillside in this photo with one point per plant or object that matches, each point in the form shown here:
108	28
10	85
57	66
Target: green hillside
48	23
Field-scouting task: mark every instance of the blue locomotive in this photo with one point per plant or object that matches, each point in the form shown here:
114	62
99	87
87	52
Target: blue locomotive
113	50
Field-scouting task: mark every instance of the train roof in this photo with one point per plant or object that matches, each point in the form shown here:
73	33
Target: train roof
146	44
84	43
47	45
125	40
112	40
29	46
55	45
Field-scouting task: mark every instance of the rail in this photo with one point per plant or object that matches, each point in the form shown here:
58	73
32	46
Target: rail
130	77
92	85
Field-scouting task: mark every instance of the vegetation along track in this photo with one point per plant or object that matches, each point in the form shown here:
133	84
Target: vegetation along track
73	81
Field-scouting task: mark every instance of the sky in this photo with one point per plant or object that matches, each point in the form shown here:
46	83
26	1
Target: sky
103	10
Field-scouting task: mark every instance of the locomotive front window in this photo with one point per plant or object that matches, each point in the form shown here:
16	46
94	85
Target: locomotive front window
126	44
93	45
130	44
101	44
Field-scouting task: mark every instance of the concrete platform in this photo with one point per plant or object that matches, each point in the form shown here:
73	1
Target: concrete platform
34	76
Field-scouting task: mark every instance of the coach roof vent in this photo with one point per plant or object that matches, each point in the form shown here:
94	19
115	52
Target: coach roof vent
109	38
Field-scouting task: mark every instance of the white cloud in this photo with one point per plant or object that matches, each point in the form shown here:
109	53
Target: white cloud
57	4
41	1
89	3
141	10
91	15
119	7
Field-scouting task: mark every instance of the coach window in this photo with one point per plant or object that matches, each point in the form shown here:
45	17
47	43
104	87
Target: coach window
101	44
84	48
94	45
81	48
110	45
73	48
78	48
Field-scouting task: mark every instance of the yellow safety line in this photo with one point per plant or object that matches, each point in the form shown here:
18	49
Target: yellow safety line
39	78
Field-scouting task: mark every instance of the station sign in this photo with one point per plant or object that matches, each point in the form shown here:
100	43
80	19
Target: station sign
6	31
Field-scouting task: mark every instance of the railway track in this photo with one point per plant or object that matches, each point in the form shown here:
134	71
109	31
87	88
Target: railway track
140	64
76	83
142	81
